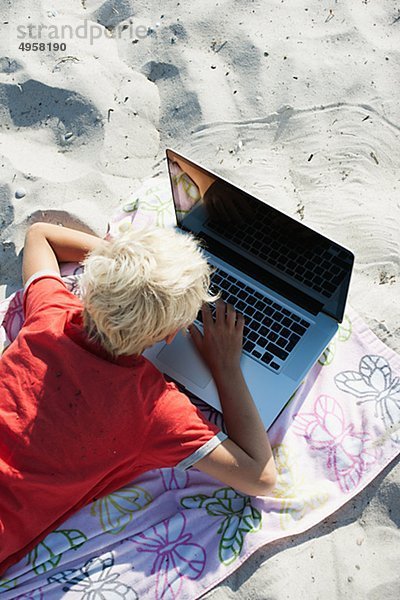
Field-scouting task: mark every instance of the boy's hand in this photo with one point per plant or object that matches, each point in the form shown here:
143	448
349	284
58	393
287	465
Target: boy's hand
221	344
245	460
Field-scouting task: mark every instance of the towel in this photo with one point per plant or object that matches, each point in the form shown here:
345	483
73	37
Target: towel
175	534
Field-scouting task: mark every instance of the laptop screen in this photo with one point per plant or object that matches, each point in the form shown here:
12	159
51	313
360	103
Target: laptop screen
280	252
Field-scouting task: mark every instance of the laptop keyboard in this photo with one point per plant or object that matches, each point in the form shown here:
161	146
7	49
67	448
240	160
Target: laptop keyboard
271	331
321	269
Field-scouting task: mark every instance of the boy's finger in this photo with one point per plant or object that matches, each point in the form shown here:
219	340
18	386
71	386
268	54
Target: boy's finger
240	321
207	315
230	315
220	309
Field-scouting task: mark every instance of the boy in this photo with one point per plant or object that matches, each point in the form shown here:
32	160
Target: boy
82	413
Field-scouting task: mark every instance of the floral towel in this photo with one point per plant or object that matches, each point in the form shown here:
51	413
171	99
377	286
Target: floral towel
173	534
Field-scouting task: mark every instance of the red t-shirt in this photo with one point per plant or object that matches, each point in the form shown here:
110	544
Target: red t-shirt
76	425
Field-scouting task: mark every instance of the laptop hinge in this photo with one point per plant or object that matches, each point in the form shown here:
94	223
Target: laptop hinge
261	275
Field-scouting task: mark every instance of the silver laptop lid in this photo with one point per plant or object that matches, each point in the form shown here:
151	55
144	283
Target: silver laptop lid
269	246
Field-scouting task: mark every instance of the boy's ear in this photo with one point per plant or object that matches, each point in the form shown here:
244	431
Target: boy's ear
170	337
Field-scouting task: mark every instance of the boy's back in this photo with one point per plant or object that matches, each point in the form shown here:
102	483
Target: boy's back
76	423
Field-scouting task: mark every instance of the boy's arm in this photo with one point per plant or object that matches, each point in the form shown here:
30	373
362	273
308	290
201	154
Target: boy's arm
245	460
47	245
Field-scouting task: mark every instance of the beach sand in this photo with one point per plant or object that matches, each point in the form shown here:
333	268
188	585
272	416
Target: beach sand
297	102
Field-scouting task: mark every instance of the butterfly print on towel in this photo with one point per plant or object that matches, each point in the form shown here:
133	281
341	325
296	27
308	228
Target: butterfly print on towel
117	510
298	496
342	335
96	580
349	452
174	479
374	383
49	552
237	517
37	594
14	317
176	556
72	282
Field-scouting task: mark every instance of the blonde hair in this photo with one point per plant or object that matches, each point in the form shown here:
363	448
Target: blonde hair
143	286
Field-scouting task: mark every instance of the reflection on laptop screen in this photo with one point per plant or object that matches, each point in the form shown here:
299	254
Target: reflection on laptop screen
277	243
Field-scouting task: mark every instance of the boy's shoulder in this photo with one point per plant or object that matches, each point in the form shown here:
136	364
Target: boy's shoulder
46	291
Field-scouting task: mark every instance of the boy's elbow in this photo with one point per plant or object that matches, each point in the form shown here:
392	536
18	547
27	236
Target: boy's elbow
266	481
35	228
262	483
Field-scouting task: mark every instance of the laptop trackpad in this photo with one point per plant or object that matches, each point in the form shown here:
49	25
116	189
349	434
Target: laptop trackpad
183	357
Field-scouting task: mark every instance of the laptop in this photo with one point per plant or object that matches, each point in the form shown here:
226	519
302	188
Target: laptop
289	281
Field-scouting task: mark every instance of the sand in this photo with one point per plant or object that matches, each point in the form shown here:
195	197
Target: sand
297	102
